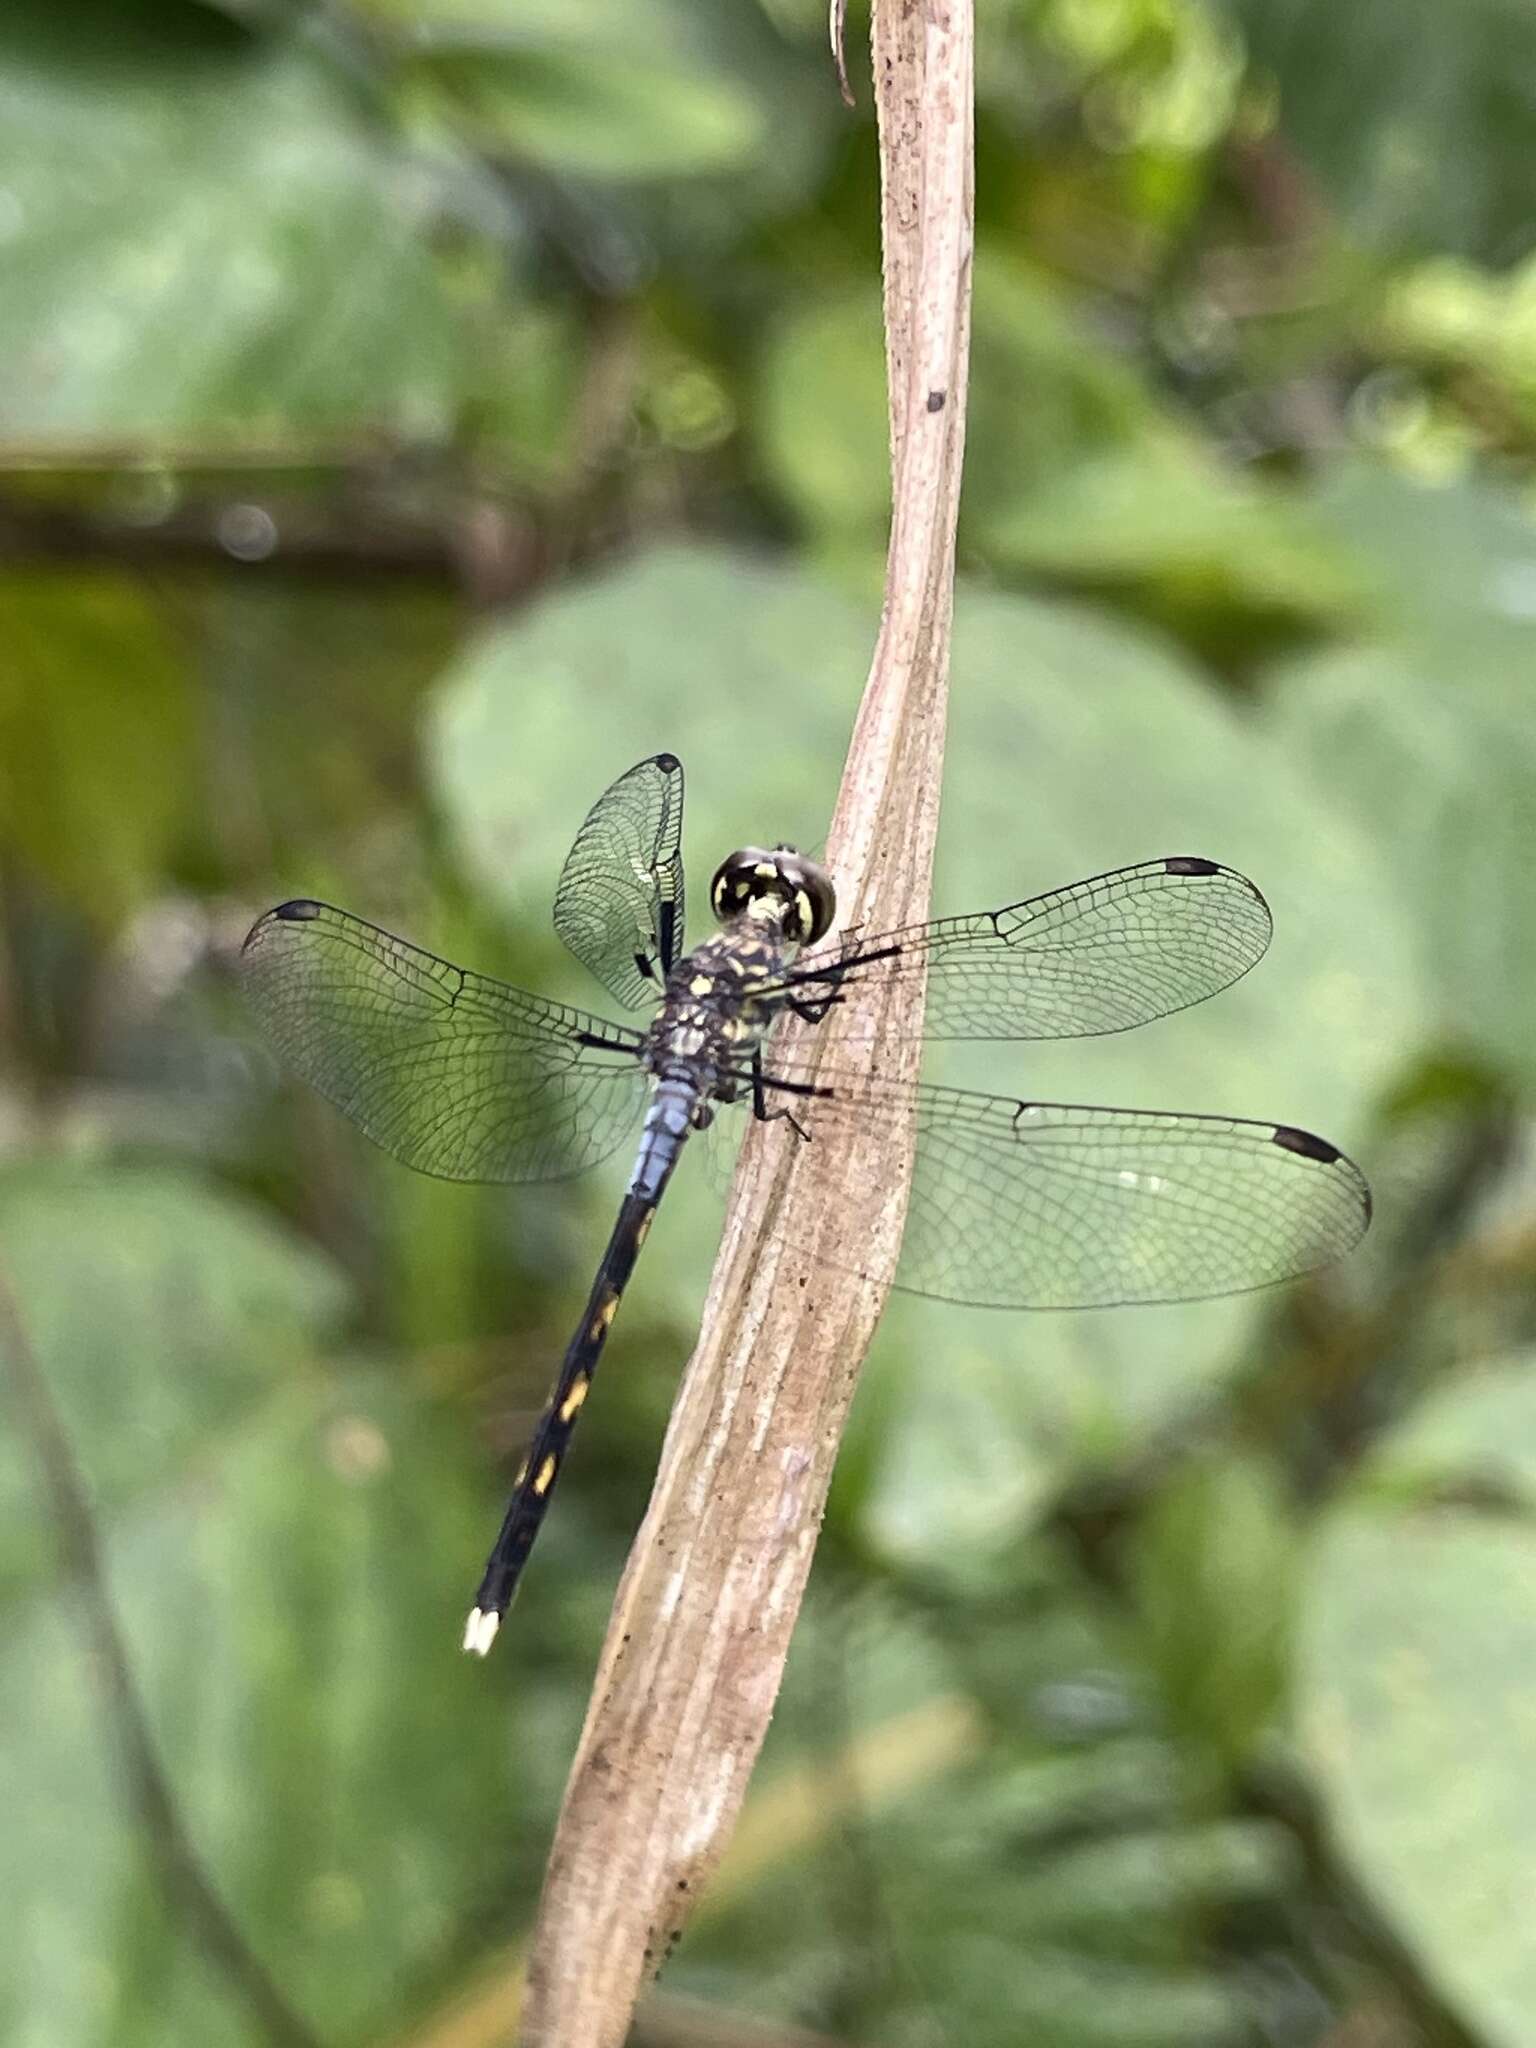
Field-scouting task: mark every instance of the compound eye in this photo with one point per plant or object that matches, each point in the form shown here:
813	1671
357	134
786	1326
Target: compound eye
815	901
824	901
734	884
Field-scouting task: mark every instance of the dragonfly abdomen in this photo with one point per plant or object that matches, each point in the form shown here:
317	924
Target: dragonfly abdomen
535	1482
668	1120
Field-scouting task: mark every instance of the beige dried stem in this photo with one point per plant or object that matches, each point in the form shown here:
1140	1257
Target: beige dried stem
702	1623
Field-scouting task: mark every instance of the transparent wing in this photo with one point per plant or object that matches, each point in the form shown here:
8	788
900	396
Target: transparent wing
453	1073
1103	955
619	906
1052	1205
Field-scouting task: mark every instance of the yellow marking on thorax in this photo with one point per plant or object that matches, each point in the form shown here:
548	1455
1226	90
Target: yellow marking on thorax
700	985
545	1477
574	1398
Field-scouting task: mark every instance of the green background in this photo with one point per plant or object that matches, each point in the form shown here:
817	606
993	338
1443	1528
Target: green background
412	413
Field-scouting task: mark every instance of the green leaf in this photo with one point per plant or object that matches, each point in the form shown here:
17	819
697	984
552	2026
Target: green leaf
96	737
1438	771
1161	511
1451	567
1414	115
1415	1678
207	240
1077	745
1042	396
287	1545
1480	1435
1074	468
822	421
626	92
159	1313
1427	743
1212	1568
596	111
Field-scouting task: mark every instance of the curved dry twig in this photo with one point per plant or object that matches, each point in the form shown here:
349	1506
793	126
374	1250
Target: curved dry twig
702	1623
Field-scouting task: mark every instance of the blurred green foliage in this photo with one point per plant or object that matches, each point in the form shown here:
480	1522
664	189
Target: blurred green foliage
416	410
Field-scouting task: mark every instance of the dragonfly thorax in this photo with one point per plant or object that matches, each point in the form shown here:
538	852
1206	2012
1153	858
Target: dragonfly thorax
717	1008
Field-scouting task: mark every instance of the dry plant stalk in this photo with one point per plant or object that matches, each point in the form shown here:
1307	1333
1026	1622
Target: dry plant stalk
702	1622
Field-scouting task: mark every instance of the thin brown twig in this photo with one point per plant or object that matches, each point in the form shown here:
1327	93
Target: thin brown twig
702	1623
189	1888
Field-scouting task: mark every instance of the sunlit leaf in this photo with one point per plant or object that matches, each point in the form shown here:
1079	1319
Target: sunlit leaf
1426	739
203	242
601	114
1416	1675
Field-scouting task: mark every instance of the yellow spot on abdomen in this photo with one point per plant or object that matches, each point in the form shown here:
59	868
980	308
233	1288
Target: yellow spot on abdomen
574	1398
545	1477
604	1317
643	1227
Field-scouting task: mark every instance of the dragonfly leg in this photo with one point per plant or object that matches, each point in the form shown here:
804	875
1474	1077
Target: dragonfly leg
812	1011
760	1108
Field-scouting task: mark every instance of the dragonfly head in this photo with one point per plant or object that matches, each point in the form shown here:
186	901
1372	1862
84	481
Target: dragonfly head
776	886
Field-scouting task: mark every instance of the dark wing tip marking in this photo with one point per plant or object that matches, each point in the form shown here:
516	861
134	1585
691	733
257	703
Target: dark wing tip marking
667	763
298	910
1305	1144
1196	864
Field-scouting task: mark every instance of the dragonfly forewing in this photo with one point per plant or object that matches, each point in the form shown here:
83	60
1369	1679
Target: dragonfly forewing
1103	955
452	1073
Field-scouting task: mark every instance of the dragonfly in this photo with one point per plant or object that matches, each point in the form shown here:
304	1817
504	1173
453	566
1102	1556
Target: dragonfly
1013	1204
